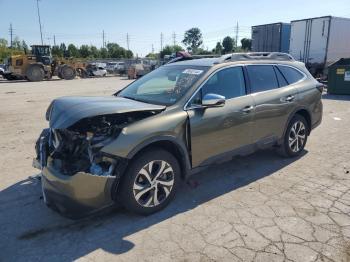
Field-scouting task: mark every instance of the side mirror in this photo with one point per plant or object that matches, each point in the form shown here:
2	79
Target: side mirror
213	100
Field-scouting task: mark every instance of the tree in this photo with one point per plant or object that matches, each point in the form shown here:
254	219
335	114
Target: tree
24	46
72	51
129	54
218	48
94	52
193	39
3	42
56	51
103	52
16	43
168	50
84	51
246	44
228	43
63	49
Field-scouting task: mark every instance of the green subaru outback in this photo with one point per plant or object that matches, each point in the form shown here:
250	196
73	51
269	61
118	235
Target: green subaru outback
135	146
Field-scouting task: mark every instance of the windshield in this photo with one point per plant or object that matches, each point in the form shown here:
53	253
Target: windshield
165	85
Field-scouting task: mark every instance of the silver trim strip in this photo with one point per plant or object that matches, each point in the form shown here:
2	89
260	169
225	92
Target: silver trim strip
241	65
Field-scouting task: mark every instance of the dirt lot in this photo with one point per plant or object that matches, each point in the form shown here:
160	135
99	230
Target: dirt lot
258	208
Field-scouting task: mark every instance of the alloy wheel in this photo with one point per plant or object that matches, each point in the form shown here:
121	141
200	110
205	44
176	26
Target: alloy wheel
297	136
153	183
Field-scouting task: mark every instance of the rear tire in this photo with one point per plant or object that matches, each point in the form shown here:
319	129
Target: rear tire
295	137
67	72
150	182
35	73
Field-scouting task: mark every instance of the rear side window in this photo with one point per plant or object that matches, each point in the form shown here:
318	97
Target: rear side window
292	75
262	78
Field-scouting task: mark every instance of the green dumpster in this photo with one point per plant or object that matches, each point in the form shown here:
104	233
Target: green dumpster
339	77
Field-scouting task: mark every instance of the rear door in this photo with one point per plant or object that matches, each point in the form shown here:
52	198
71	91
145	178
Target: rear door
219	130
274	100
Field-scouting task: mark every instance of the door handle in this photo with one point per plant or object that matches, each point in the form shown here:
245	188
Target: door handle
289	98
247	109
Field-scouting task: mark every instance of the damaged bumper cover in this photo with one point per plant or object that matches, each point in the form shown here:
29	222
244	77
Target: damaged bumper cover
78	195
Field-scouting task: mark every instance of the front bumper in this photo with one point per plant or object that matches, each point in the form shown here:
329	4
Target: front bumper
78	195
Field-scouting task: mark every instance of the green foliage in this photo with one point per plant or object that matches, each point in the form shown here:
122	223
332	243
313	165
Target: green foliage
228	44
168	50
218	48
246	44
193	39
6	52
72	51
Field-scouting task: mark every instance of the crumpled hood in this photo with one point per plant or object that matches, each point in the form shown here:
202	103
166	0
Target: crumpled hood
65	111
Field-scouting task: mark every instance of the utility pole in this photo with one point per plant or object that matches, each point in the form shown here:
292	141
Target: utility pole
103	38
127	41
152	49
174	39
41	33
11	34
54	40
237	29
161	41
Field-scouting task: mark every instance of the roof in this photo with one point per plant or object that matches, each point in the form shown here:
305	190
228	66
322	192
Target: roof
197	62
277	23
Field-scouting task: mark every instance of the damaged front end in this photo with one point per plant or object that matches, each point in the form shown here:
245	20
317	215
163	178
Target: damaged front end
77	177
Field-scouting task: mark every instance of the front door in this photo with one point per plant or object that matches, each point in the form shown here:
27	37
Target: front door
219	130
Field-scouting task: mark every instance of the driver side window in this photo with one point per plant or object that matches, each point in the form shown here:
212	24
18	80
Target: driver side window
228	82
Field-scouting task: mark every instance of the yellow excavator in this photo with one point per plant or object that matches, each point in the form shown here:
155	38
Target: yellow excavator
40	65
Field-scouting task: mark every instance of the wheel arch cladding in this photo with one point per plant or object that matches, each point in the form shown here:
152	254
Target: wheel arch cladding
172	146
304	113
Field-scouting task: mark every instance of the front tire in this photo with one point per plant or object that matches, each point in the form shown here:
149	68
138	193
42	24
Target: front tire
35	73
150	182
295	137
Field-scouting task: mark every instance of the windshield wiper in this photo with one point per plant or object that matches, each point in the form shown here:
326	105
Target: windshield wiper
133	98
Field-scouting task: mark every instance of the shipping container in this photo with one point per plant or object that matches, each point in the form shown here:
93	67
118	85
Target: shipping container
271	37
320	41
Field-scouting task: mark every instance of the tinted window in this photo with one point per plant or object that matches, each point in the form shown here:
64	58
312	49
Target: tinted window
228	82
281	80
262	78
292	75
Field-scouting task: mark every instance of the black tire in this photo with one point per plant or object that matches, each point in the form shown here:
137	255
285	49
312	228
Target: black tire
68	72
127	190
288	148
35	73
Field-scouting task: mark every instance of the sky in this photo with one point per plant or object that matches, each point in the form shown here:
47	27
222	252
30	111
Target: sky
83	21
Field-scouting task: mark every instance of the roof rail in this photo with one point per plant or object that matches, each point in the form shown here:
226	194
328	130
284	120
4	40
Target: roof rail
256	56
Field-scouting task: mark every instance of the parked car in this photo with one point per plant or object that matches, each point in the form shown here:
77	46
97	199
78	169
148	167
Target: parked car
134	147
2	69
110	67
96	70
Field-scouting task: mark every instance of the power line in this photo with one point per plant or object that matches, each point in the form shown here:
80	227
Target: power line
41	33
11	34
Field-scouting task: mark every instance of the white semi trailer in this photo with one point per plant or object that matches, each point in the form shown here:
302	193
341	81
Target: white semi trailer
320	41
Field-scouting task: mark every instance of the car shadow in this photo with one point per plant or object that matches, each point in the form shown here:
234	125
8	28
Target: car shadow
336	97
28	225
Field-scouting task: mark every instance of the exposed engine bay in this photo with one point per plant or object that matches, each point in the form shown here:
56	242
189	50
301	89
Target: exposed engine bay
77	148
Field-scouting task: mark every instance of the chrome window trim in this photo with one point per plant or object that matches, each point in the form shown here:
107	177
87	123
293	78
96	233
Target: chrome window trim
242	65
206	80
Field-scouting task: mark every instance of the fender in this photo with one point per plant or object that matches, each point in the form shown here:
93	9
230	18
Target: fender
165	138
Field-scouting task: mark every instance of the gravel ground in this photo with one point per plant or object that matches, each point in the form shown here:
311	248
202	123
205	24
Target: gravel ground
258	208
